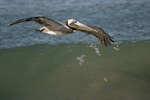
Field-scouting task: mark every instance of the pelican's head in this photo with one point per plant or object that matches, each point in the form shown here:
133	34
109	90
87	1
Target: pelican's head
78	26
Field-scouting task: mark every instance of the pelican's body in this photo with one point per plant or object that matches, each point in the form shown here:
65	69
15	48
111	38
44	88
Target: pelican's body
71	25
61	29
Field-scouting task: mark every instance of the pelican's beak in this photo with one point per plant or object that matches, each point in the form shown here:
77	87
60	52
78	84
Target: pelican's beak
82	27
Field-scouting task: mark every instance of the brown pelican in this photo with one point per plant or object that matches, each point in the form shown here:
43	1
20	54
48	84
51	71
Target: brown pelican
71	25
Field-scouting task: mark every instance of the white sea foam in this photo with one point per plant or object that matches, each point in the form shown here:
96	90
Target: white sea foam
117	45
117	49
97	51
105	79
80	58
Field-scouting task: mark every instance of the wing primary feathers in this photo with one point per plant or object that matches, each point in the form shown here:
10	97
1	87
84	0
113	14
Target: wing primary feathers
39	19
101	35
23	20
110	38
105	41
108	41
101	39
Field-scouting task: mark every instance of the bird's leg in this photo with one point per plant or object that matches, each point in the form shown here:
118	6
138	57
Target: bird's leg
38	30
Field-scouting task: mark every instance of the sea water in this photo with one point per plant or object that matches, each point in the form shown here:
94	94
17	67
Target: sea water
38	66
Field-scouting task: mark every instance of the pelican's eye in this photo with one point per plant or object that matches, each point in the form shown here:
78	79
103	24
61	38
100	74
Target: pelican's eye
75	21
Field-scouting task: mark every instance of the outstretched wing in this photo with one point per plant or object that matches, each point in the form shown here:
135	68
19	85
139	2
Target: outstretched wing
39	19
100	34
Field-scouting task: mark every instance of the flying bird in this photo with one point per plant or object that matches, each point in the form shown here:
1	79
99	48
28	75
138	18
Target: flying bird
71	25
